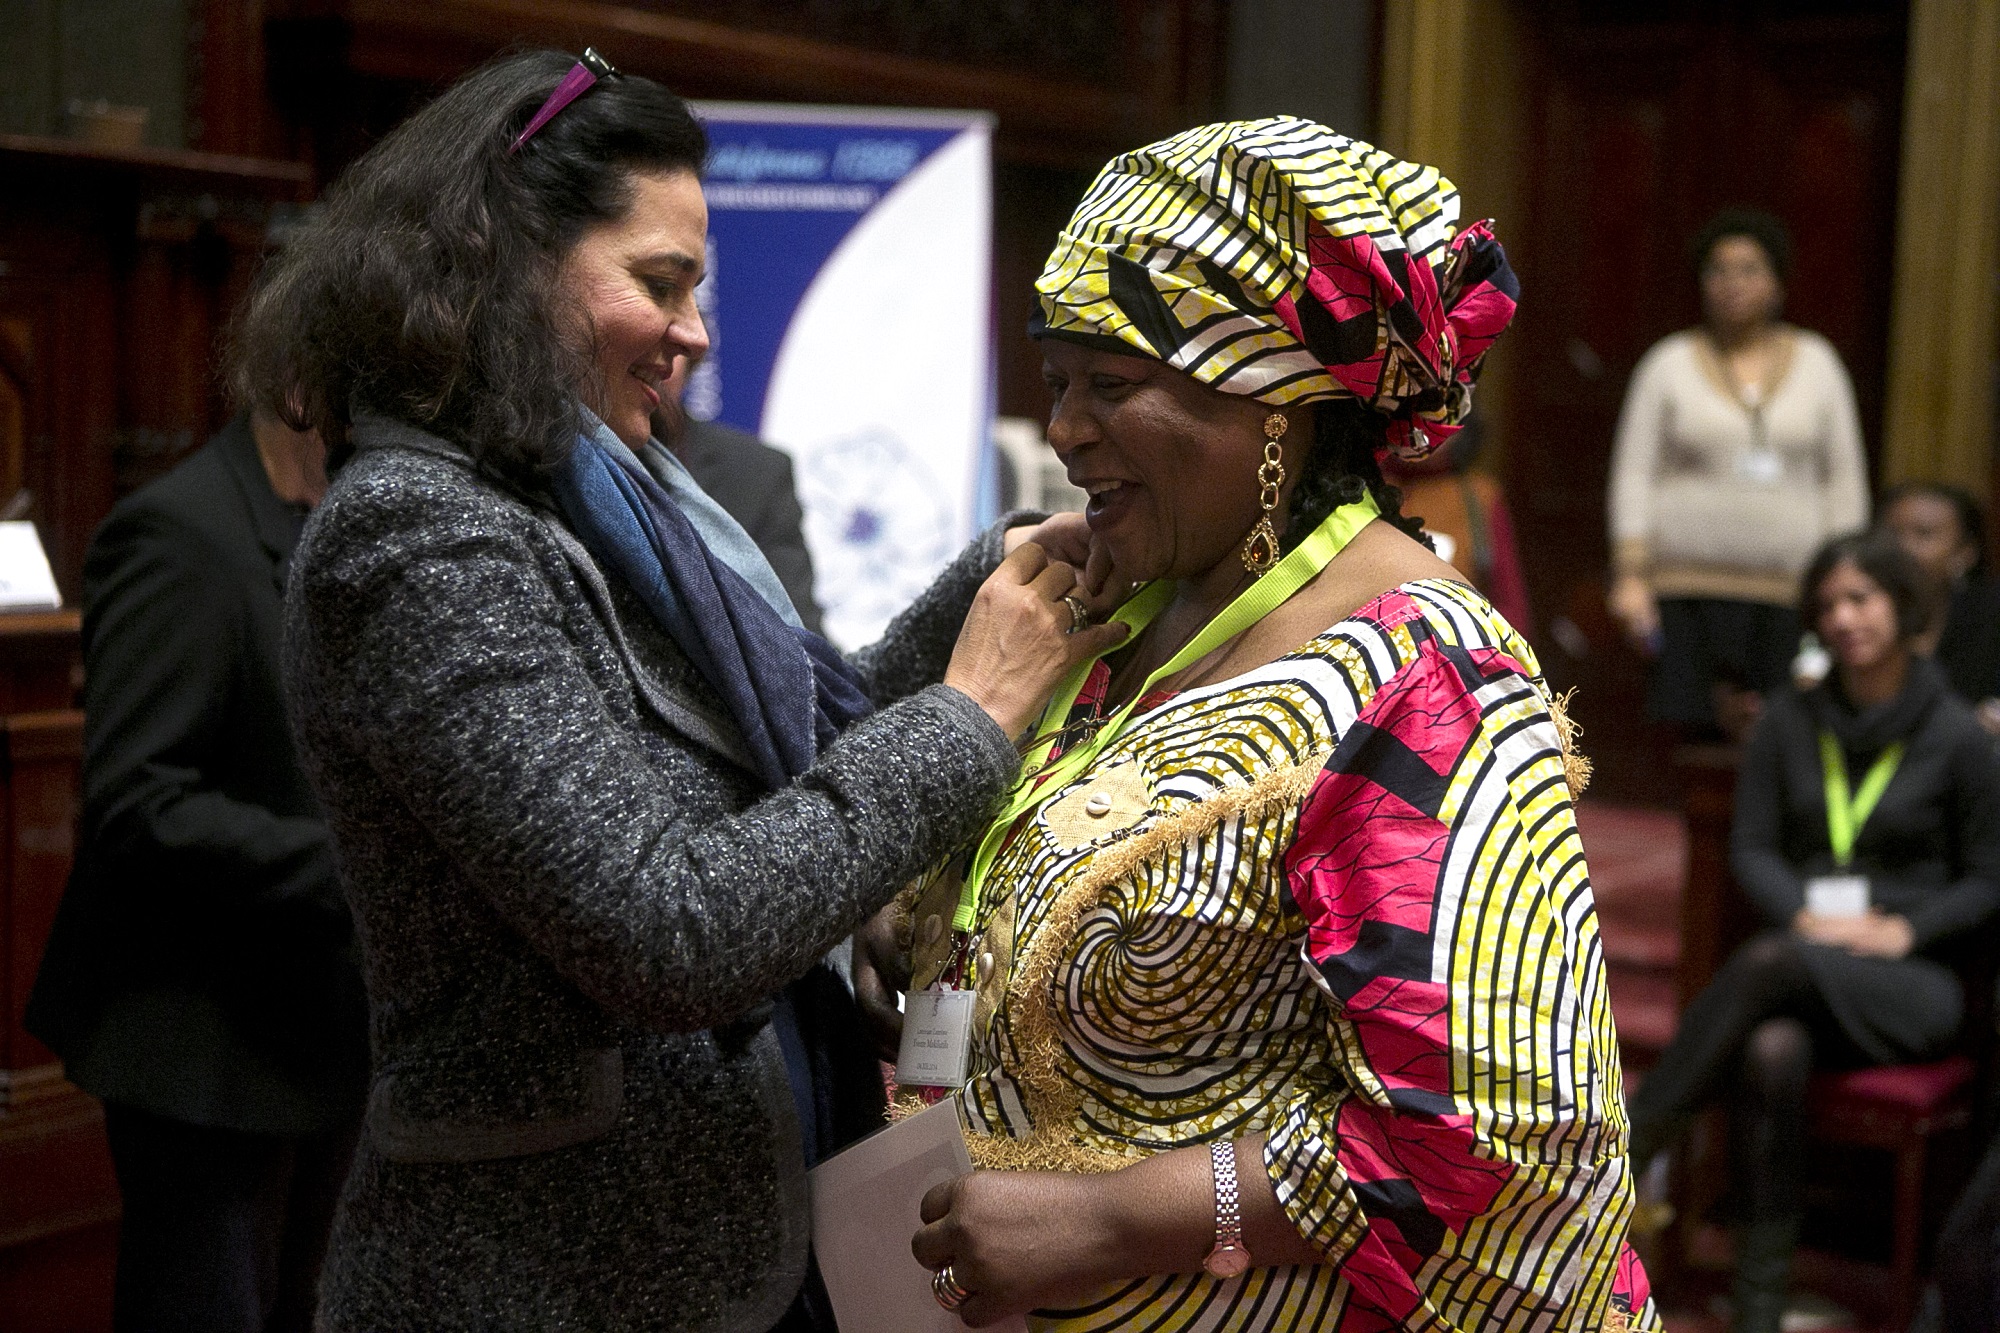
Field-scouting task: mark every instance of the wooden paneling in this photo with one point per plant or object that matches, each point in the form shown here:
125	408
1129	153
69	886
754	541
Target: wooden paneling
118	274
228	110
1154	65
1640	122
16	340
58	310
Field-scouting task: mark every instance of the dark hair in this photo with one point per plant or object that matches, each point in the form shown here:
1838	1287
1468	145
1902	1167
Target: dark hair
1347	438
1876	554
426	289
1757	225
1971	516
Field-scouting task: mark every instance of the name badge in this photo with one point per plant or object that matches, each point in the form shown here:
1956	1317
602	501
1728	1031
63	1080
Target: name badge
1837	895
937	1037
1761	467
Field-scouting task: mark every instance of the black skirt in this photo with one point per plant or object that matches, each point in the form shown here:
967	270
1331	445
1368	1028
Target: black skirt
1705	641
1895	1010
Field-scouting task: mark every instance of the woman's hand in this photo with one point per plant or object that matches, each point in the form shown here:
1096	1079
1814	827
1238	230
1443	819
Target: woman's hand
1068	538
1877	934
1631	600
881	973
1016	644
1832	931
1881	935
1020	1240
1028	1240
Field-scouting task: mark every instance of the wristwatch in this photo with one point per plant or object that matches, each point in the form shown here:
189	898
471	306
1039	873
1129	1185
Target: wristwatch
1229	1257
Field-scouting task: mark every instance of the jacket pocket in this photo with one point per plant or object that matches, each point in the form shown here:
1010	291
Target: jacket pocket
401	1136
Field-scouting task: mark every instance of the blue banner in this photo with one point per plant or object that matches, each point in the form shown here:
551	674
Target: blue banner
847	302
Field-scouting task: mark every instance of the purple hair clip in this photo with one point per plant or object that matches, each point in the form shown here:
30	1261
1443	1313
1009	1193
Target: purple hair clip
582	77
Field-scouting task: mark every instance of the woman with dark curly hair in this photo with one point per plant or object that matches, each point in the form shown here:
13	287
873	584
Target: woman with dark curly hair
1290	1010
1867	836
1738	453
602	805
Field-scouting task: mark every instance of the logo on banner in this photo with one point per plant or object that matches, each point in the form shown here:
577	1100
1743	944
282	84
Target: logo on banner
877	524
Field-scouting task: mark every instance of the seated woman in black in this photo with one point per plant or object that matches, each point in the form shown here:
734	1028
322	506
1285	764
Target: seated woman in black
1868	835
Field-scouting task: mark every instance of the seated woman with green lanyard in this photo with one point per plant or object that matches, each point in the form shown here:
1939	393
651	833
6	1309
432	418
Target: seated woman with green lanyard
1868	834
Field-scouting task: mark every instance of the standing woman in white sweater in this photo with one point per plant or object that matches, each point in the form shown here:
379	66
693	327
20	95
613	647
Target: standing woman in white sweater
1738	455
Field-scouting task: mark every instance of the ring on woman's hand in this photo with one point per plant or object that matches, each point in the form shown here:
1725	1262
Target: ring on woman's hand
945	1287
1079	614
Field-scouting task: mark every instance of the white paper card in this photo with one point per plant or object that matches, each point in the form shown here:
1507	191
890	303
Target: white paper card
937	1037
1837	895
25	581
865	1208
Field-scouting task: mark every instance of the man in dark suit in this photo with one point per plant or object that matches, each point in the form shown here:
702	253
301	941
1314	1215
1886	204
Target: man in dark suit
202	975
749	479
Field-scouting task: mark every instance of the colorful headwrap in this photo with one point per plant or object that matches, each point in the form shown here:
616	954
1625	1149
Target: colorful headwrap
1280	260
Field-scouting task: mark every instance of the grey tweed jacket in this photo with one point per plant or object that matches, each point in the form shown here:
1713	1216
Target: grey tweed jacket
567	887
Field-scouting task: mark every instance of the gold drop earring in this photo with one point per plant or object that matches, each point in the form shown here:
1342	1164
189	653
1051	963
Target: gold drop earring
1260	549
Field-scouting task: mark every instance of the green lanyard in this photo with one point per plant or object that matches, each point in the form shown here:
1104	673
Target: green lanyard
1261	598
1846	814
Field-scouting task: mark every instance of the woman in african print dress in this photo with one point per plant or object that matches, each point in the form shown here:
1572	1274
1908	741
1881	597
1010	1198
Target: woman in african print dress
1291	1008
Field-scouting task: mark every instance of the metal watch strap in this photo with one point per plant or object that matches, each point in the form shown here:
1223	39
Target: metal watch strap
1228	1204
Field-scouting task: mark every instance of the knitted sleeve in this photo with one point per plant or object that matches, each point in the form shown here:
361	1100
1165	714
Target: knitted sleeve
427	645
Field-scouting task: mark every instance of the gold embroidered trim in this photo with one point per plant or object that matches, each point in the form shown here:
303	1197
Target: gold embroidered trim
1576	765
1003	1152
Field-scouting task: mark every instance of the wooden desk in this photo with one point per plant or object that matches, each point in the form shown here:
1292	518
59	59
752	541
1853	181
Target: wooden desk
58	1200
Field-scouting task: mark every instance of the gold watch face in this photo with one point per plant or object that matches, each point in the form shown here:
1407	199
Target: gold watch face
1227	1260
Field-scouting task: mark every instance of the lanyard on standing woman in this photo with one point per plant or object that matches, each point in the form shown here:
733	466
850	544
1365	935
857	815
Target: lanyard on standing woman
1846	814
1255	602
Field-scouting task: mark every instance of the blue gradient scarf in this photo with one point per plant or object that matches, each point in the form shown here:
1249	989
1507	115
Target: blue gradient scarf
789	691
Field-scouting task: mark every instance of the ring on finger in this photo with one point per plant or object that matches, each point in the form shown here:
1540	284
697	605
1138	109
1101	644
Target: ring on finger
945	1287
1079	614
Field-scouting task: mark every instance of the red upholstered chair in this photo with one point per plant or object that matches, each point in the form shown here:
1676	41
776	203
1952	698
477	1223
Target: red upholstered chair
1898	1109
